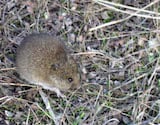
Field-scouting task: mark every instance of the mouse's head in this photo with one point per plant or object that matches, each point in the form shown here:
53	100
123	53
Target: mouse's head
65	74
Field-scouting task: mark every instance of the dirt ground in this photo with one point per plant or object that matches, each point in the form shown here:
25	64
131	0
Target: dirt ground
115	42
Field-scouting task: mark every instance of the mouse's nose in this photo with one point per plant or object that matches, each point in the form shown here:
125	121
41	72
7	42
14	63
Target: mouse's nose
75	86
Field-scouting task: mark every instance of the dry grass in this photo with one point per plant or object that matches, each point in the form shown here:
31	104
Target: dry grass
117	43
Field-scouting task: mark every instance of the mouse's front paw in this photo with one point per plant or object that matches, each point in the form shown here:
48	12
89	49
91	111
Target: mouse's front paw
58	92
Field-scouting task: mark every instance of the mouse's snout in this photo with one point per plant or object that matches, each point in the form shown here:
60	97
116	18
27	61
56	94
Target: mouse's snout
76	83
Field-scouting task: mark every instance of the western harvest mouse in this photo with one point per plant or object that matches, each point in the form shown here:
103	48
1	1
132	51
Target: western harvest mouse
43	60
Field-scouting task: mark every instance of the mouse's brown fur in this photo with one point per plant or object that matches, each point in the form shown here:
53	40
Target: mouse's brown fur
43	60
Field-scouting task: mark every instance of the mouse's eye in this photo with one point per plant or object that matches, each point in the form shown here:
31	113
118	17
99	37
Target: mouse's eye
70	79
55	66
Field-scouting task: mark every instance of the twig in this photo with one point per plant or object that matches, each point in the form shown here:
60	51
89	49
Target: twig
132	80
129	12
6	69
157	67
29	112
48	106
126	7
121	20
16	84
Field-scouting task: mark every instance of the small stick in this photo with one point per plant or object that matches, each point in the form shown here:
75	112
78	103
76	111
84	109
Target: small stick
6	69
48	106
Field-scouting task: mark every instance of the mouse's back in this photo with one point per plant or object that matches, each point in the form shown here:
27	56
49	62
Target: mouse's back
42	59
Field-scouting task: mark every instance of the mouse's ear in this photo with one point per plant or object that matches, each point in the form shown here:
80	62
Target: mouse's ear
55	66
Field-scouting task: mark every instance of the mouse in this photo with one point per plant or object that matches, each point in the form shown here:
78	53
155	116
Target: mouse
44	60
